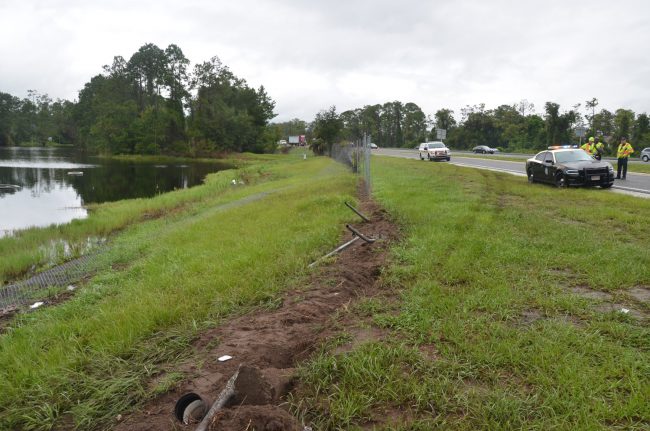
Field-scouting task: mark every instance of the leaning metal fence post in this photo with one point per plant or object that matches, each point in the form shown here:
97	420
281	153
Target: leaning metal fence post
357	212
360	235
333	252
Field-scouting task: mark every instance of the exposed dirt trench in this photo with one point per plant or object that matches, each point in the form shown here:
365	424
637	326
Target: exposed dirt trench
275	341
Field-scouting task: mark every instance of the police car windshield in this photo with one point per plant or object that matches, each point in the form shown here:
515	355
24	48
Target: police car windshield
572	156
436	146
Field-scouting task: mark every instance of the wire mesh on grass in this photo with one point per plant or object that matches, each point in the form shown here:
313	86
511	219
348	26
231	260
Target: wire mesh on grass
30	289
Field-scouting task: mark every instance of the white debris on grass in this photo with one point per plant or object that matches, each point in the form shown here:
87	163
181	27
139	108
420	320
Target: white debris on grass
70	288
625	310
224	358
36	305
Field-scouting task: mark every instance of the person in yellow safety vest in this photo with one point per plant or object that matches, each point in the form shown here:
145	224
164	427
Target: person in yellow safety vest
598	149
623	153
589	146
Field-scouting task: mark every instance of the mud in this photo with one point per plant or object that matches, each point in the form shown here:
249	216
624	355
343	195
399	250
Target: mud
531	316
273	342
623	309
609	303
587	292
641	294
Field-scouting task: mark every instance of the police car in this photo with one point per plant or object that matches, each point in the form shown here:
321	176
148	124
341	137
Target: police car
569	166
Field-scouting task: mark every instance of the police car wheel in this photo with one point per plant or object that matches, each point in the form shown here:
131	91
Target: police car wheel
645	158
531	178
560	180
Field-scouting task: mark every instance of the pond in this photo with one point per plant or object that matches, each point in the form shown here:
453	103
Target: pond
42	186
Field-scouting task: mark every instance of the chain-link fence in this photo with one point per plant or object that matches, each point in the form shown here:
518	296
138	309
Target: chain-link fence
357	156
37	286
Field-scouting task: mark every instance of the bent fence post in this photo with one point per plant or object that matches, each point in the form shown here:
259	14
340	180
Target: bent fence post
360	235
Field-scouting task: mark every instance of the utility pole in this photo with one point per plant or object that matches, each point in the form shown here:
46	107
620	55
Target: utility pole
592	104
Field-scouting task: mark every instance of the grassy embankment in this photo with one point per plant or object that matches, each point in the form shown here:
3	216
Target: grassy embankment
488	332
45	246
223	250
643	168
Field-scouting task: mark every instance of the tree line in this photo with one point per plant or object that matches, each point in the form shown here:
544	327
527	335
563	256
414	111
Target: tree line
513	128
151	104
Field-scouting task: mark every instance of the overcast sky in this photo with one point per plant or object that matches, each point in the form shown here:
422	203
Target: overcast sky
350	53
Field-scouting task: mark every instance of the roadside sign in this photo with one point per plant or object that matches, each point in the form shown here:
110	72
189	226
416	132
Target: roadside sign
441	133
580	131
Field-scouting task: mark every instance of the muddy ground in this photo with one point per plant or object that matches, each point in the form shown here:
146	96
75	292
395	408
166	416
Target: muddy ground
269	344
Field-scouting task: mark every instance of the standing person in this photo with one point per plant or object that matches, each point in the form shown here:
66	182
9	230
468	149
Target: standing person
599	149
623	153
589	146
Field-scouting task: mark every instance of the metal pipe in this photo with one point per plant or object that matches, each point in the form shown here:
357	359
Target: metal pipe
340	248
360	235
221	401
357	211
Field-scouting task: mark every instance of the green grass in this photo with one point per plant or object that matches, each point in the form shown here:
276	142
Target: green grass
484	274
229	249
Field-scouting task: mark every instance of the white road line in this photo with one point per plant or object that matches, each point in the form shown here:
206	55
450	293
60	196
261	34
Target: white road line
631	189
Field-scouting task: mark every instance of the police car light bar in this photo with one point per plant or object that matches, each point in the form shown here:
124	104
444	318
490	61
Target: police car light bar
560	147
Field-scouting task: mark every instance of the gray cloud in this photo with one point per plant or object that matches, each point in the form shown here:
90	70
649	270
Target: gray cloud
310	55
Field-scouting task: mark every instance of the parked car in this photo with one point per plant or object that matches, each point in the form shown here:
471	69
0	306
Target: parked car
373	146
484	149
569	166
436	150
645	154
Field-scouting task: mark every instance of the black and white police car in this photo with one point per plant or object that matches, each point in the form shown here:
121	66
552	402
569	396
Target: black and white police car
569	166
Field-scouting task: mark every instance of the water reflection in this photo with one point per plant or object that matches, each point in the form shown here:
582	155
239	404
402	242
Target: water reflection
41	186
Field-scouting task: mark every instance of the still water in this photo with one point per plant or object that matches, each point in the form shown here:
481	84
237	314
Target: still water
41	186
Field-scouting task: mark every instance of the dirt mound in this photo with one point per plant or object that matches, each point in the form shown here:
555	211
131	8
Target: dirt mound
271	342
259	418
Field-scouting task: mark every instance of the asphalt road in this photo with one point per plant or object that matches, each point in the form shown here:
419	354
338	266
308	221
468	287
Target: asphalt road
635	183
